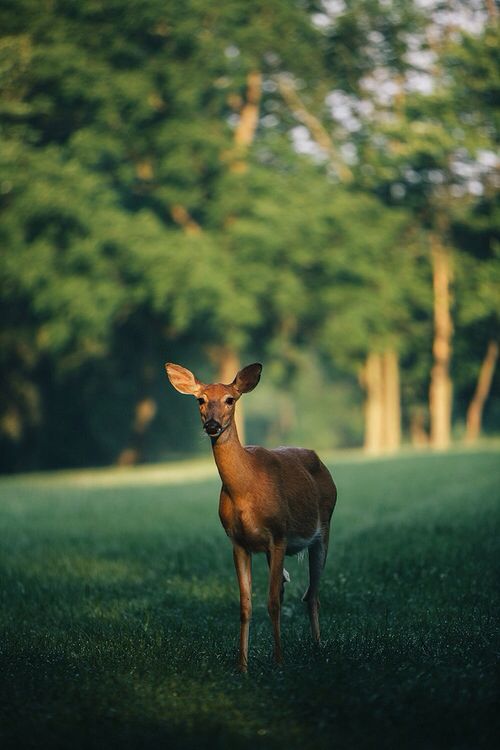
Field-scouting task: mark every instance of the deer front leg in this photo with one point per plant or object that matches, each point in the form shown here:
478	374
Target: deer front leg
243	565
286	577
276	559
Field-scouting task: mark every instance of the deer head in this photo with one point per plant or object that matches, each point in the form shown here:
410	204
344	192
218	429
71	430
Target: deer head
216	401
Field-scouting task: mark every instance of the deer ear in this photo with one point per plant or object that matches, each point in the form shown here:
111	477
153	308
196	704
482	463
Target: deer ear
247	379
183	380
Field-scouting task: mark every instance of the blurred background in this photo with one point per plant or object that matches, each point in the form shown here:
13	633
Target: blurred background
312	185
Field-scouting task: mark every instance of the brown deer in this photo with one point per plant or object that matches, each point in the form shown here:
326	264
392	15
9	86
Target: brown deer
274	501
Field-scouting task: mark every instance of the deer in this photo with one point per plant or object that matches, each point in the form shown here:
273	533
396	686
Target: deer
277	501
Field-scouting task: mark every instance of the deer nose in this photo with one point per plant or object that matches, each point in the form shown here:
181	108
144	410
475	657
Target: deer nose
212	427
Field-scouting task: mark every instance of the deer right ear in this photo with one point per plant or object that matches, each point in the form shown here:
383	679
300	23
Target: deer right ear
247	379
183	380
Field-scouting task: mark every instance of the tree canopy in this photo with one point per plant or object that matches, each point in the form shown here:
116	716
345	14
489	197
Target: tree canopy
261	178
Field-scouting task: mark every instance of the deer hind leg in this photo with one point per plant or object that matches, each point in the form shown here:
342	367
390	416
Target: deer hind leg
243	565
317	559
276	558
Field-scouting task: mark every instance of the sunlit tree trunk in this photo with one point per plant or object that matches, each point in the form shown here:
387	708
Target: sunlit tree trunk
391	414
182	217
249	112
380	379
372	379
475	410
440	392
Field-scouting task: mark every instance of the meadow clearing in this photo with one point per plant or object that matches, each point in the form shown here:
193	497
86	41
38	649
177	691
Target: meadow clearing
120	616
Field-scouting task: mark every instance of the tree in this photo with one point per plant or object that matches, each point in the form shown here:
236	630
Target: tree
369	303
478	309
184	180
425	153
112	188
358	40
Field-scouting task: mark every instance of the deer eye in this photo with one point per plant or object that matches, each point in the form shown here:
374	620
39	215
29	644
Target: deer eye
229	401
201	401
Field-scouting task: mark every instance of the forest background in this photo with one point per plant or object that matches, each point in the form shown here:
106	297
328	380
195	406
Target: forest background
312	185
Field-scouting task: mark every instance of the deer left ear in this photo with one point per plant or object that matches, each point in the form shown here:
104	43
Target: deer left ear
247	379
183	379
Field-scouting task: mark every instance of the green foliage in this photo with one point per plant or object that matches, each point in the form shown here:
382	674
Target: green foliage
372	275
473	63
128	235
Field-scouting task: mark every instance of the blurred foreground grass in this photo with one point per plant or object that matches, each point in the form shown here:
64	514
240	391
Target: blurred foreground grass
120	616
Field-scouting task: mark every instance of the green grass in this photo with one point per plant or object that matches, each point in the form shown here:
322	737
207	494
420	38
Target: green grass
119	616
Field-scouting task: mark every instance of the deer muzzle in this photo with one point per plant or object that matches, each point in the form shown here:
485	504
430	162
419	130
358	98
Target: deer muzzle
212	427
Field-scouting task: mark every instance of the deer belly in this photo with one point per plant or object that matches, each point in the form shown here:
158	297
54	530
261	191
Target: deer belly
295	544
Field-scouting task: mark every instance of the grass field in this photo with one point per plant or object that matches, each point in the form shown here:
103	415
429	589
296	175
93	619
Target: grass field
120	616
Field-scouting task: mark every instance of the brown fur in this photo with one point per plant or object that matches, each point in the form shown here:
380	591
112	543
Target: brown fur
274	501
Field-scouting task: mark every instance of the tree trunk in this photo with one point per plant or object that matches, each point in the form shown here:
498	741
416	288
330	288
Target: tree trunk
380	379
249	114
418	434
145	411
391	401
247	125
182	217
492	10
372	379
228	363
440	392
475	410
315	127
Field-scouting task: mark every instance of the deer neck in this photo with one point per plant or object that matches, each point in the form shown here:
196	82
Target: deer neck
231	460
